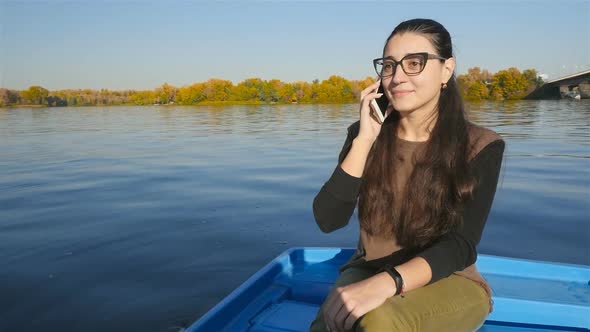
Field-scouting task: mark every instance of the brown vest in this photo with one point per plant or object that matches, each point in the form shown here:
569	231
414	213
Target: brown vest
479	137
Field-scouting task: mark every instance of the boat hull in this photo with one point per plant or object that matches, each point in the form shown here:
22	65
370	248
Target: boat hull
285	295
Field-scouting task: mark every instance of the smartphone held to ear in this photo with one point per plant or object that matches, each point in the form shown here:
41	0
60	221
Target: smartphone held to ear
379	105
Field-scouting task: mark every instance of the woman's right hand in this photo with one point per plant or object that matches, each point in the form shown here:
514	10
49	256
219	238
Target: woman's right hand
370	125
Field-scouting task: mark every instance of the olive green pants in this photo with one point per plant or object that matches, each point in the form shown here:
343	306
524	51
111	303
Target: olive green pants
453	304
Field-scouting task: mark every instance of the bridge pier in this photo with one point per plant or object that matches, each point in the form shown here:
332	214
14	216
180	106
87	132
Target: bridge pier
584	90
566	87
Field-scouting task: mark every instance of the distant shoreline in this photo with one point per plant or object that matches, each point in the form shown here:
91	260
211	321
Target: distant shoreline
477	84
210	103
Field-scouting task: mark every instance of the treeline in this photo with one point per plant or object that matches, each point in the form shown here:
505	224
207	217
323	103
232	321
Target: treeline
475	85
251	91
480	84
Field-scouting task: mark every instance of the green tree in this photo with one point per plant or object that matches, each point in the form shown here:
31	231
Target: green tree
533	78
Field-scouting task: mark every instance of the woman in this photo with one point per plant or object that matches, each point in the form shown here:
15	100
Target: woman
425	180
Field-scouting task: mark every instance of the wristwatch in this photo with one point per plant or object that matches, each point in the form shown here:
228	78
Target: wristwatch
394	274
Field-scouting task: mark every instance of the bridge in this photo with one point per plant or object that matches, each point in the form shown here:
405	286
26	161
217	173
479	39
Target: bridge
572	86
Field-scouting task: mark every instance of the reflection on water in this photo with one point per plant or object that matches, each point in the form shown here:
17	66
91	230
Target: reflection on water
142	218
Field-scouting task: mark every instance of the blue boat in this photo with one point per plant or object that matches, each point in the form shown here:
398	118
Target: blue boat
285	295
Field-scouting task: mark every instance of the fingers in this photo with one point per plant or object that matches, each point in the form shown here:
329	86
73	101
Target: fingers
365	105
339	315
351	319
375	117
369	97
371	88
330	310
340	318
334	307
330	321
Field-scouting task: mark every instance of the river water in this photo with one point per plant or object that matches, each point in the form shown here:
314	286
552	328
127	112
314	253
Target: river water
142	218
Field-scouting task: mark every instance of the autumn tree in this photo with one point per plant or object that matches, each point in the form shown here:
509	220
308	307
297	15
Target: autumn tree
509	84
286	93
144	98
36	95
272	90
218	90
335	89
474	84
191	94
302	92
165	94
8	97
252	89
358	86
477	84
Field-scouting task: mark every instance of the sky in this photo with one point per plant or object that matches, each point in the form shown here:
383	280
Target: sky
140	45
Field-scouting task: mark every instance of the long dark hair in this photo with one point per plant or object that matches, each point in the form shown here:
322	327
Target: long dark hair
431	202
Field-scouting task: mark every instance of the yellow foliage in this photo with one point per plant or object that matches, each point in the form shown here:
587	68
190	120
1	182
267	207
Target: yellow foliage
477	84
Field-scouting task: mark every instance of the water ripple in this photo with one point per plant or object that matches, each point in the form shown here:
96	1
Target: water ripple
142	218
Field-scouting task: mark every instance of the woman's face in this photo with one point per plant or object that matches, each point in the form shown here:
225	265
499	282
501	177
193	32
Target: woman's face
409	93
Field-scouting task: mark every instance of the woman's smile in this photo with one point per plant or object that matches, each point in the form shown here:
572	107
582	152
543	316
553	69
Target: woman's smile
401	93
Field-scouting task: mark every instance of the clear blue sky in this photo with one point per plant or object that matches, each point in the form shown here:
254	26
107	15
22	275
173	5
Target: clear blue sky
142	44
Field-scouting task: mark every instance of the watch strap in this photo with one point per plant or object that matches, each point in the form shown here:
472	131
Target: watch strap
396	276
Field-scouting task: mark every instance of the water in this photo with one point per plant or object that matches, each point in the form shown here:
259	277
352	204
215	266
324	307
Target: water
142	218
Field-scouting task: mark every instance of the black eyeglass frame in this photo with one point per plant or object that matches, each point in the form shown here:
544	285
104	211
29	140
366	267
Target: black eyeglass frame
425	56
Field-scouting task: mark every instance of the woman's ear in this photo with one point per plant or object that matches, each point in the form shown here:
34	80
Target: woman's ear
448	69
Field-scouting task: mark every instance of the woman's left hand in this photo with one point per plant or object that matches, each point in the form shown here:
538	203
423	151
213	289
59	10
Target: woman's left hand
347	304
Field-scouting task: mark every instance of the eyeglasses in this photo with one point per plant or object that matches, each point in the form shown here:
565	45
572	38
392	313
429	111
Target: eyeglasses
412	64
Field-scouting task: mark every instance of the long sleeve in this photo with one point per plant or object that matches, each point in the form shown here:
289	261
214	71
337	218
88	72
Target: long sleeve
335	203
457	250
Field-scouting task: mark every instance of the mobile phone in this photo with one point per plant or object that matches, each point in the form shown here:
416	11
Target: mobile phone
380	105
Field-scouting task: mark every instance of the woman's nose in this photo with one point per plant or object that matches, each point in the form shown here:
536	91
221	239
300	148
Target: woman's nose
399	76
